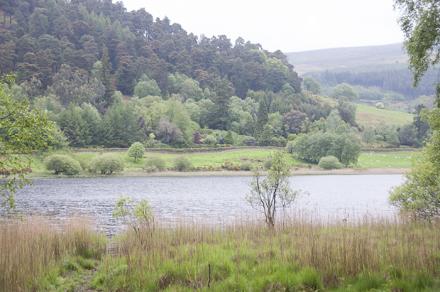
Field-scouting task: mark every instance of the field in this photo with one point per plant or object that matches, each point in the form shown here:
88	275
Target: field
369	255
371	116
398	159
231	160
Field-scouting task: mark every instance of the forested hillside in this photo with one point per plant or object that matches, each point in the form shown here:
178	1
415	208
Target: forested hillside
109	77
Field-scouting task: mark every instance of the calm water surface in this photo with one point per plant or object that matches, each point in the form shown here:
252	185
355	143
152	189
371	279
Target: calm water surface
210	200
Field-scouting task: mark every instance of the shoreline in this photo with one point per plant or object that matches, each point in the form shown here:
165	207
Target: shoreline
294	172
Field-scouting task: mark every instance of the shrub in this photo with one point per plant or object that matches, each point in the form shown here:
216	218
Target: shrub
246	166
329	162
182	164
289	146
136	150
210	140
267	164
312	147
230	165
153	164
107	164
62	164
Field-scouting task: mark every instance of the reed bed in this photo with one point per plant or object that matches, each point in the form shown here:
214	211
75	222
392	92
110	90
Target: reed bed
29	248
301	253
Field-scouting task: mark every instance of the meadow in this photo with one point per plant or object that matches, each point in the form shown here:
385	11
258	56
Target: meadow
226	160
301	254
367	115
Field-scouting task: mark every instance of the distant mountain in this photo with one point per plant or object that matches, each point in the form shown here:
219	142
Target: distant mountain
348	58
384	67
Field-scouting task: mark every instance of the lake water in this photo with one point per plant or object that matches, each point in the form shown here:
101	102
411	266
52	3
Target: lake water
212	200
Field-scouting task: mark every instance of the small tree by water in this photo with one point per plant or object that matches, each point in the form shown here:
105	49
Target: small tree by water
137	216
271	192
136	151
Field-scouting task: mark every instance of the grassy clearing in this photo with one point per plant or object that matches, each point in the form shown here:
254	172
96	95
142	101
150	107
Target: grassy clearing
398	159
367	115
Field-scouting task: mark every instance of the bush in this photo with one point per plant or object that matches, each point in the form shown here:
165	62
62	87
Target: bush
62	164
267	164
153	164
136	150
182	164
230	165
312	147
329	162
246	166
107	164
210	140
289	146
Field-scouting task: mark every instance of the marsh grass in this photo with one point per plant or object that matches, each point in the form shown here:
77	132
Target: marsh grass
32	247
299	255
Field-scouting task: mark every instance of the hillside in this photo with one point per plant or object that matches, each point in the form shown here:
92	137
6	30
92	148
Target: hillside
347	58
111	77
383	67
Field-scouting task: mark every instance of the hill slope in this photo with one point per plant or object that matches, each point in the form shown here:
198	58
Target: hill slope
347	58
384	67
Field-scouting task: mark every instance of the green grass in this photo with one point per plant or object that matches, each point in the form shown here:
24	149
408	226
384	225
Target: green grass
367	115
208	161
398	159
298	257
216	161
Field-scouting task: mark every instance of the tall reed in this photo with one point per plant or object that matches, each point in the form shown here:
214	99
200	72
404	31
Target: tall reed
336	251
30	247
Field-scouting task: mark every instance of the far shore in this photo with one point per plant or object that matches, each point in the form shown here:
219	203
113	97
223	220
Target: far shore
294	172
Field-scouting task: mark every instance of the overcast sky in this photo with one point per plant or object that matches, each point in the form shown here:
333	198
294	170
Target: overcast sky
288	25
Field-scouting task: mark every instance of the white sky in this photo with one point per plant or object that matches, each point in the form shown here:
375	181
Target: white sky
288	25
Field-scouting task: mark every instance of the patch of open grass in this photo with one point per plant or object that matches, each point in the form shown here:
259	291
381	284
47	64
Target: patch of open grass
367	115
397	159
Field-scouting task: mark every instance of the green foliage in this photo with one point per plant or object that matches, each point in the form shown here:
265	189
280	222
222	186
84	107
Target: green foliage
329	162
153	164
62	164
311	85
146	87
347	112
120	127
182	164
22	130
420	21
136	151
344	91
408	136
273	191
107	164
420	194
314	146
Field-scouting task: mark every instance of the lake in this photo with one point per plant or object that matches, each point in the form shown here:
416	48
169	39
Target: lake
212	200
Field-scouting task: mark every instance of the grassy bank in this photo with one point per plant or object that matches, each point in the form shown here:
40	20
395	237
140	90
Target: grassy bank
227	160
300	255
